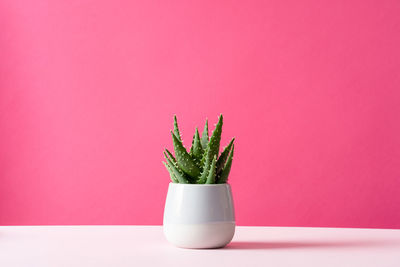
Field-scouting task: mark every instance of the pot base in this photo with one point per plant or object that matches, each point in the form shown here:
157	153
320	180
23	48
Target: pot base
207	235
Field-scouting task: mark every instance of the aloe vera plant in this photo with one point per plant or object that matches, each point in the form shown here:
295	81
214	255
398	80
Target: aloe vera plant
202	164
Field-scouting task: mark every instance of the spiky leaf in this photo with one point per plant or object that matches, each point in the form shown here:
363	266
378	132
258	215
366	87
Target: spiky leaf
215	138
176	129
191	148
206	168
178	174
204	157
224	156
212	172
183	159
225	172
170	155
171	173
197	150
204	136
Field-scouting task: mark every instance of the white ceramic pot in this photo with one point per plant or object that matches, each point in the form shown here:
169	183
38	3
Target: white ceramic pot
199	215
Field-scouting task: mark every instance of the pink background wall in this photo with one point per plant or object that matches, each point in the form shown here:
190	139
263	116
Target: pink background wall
310	89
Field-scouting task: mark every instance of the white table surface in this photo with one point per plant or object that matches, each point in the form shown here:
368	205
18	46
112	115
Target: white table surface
76	246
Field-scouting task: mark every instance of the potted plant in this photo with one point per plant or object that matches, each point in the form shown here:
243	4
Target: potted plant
199	210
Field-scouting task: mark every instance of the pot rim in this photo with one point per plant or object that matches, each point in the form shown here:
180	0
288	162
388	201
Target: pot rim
199	185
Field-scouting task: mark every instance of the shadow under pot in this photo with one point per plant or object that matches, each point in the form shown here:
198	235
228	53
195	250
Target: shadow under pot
199	215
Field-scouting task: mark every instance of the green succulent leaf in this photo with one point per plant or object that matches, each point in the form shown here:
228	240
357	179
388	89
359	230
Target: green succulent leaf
204	136
183	159
224	156
225	172
197	150
176	129
206	154
171	173
178	174
203	164
206	168
215	138
212	172
170	155
191	148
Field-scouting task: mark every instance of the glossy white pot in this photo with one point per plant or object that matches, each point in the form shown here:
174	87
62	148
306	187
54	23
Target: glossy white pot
199	215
